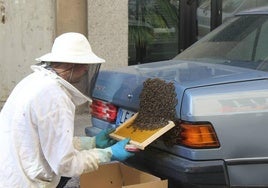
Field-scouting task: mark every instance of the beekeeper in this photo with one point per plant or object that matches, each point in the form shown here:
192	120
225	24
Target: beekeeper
37	121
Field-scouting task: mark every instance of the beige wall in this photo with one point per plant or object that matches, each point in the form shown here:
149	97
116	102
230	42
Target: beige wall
27	32
31	26
108	31
71	15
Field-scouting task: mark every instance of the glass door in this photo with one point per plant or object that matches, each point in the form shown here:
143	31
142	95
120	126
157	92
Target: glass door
160	29
212	13
153	30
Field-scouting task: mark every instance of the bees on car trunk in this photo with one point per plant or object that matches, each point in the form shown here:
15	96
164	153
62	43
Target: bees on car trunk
157	105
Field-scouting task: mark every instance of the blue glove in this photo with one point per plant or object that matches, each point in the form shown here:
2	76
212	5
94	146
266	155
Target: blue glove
119	152
103	139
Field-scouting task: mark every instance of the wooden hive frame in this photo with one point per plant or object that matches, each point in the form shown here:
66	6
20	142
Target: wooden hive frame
139	138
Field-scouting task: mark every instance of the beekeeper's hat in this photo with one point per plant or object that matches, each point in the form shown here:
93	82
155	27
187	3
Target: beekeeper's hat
71	48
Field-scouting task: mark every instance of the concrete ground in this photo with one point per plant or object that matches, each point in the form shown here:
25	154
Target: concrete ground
81	122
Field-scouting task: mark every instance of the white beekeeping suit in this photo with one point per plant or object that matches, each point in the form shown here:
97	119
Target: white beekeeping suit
37	124
40	128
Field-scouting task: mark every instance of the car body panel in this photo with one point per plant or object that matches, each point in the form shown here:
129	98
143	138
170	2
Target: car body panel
240	175
175	167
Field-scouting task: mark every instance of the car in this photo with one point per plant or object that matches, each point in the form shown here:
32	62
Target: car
221	85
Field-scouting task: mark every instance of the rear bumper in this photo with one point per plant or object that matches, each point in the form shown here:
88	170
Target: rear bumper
179	171
187	173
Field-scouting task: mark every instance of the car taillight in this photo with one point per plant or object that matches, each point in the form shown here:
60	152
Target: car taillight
103	110
198	135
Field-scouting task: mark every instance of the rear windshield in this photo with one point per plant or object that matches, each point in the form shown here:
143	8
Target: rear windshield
241	41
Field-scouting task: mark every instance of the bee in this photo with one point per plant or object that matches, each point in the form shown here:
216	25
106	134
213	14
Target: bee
157	104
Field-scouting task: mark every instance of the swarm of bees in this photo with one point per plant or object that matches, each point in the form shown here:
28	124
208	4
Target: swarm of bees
157	105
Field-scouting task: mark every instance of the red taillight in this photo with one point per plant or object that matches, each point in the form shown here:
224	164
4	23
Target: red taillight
103	110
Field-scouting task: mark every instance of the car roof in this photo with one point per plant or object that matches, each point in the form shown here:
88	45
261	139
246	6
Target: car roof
256	11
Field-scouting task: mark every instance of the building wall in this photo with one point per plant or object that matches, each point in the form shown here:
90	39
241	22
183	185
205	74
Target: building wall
71	16
108	31
26	33
30	27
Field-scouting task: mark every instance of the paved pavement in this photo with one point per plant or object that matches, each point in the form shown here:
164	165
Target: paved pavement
81	122
73	183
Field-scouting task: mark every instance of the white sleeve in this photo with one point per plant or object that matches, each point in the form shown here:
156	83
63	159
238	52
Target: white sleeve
56	139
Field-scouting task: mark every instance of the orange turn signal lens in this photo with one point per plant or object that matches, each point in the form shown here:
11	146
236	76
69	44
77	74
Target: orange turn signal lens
198	135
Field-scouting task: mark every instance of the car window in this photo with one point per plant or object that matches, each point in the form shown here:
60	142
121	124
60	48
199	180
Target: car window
241	41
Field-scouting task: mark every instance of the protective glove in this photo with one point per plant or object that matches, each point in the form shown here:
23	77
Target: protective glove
119	152
103	140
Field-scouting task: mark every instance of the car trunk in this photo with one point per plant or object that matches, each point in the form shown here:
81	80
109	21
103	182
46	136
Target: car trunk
123	86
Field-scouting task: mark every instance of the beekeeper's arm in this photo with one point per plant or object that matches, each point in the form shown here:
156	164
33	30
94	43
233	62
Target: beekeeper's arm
56	139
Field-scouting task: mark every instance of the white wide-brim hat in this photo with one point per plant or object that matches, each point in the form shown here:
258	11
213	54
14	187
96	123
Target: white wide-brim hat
71	48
